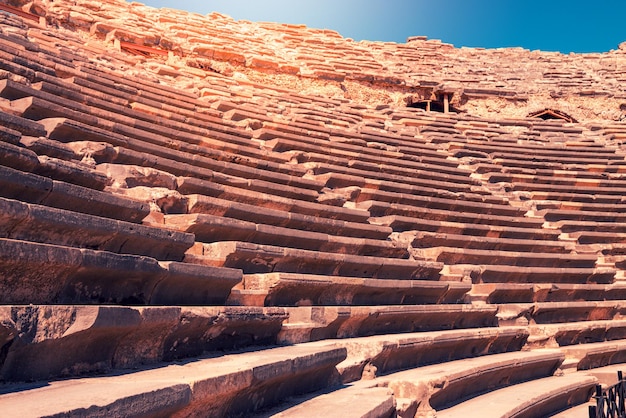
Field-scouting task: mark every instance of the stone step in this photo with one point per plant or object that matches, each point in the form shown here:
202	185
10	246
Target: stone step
333	171
453	203
178	102
269	202
597	354
147	155
226	385
584	170
32	188
36	223
524	274
136	83
257	258
21	51
130	139
211	228
277	139
75	172
570	226
595	237
54	274
329	322
573	198
10	136
552	215
599	183
479	257
199	205
47	342
563	164
441	385
447	214
531	160
22	125
404	223
559	312
280	142
378	355
61	93
18	157
539	397
513	150
581	332
422	167
37	108
549	292
67	130
39	104
17	65
611	188
297	289
425	240
351	401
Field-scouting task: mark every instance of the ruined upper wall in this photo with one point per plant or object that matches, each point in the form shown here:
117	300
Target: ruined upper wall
508	82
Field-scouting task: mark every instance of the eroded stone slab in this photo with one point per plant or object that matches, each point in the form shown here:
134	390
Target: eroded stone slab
227	385
53	274
63	341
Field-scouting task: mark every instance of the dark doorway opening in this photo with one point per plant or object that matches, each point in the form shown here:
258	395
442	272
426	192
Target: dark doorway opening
441	104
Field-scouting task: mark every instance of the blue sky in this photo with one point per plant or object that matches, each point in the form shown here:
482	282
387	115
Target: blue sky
565	26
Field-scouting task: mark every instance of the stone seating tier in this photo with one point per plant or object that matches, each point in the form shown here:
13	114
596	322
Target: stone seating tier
96	339
259	258
596	355
423	388
566	197
282	142
53	274
538	397
401	223
280	213
406	213
547	292
454	255
195	124
33	102
32	188
209	228
559	312
36	223
425	240
590	207
423	181
493	273
602	186
291	289
500	148
187	389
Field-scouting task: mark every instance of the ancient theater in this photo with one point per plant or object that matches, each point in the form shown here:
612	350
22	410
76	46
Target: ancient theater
209	217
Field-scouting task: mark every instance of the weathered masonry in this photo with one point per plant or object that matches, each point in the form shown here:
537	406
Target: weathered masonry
208	217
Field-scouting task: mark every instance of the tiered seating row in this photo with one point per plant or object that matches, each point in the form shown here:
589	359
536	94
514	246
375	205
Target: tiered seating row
227	385
52	274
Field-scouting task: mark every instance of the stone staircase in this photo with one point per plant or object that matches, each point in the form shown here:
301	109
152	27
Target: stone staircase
181	241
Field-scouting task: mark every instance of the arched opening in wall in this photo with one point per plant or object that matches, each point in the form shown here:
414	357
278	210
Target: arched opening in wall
552	114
